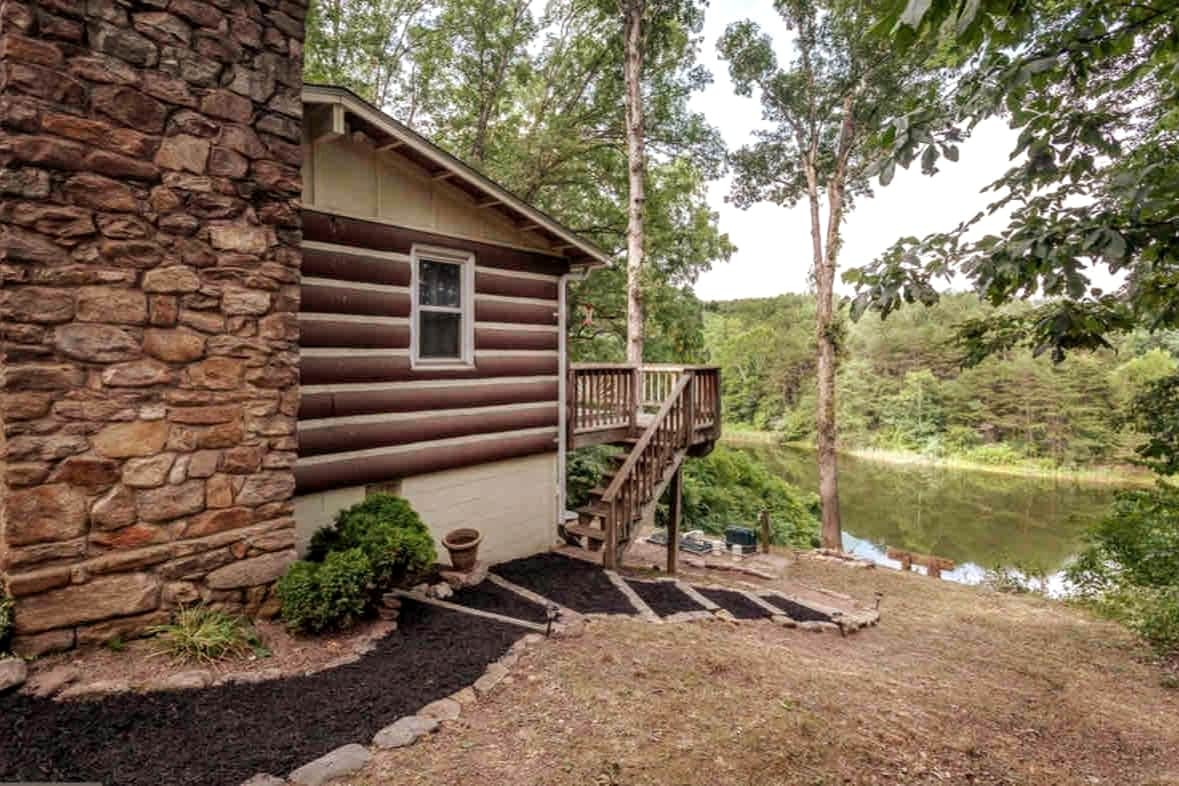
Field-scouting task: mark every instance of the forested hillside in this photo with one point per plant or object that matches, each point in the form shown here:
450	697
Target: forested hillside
903	386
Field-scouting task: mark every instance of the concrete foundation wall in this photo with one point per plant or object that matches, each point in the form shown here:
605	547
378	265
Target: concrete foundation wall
511	502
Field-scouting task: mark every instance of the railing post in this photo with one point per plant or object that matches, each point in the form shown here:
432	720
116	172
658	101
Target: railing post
675	514
636	394
610	554
690	409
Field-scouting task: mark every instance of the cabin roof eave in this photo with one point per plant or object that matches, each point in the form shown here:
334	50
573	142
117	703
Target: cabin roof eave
585	255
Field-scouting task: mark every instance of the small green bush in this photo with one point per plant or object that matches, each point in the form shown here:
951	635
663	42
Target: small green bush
6	614
996	454
732	487
584	469
391	535
198	633
1129	569
327	595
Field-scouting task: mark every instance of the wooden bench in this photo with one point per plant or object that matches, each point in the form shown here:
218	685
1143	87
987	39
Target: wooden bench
933	565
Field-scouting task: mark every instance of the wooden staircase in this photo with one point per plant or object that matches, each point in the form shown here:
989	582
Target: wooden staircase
611	406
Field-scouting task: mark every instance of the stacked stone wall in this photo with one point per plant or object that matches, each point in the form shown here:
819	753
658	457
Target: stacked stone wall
149	260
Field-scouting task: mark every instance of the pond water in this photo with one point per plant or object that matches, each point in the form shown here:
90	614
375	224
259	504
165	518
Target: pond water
1030	527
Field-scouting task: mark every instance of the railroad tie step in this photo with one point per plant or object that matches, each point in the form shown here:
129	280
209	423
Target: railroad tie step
639	604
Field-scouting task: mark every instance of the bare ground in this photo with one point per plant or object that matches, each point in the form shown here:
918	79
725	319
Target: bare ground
955	686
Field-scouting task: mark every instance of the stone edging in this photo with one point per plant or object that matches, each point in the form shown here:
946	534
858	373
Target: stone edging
407	730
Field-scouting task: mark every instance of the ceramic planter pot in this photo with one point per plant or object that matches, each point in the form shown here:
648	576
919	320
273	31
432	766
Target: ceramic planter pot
463	545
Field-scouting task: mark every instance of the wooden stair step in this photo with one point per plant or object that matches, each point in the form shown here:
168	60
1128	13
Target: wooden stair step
581	530
596	509
600	510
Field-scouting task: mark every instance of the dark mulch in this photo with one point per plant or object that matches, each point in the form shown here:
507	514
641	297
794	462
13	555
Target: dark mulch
224	735
797	611
494	598
664	597
735	603
570	582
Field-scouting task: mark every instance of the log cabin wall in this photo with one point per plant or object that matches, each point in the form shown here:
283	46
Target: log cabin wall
467	445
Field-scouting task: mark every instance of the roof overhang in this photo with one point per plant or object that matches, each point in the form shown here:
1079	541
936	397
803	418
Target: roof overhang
389	134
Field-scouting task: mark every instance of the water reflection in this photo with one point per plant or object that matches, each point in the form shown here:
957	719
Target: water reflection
981	520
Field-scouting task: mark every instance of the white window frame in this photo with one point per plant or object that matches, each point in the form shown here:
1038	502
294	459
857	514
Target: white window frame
466	310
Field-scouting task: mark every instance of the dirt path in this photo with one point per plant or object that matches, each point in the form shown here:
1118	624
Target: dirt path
955	686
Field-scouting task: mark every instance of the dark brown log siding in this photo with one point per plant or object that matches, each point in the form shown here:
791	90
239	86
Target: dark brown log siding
506	338
361	335
403	398
375	469
355	267
389	371
511	311
346	300
328	228
396	368
514	286
340	438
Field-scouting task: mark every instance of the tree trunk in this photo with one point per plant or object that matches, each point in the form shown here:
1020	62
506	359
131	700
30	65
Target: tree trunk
632	30
832	530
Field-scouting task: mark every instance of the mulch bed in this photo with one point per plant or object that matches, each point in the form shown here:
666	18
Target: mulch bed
797	611
664	597
570	582
222	736
735	603
496	599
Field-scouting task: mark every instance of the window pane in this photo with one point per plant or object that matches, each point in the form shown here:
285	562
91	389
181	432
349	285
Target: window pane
439	284
440	335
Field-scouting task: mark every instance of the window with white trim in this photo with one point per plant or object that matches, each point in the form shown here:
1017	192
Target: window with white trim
443	316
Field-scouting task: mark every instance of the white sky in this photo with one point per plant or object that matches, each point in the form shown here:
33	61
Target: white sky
773	243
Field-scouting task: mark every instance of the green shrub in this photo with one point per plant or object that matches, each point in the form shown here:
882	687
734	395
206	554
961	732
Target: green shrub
732	487
198	633
584	469
995	454
1129	569
383	526
327	595
6	614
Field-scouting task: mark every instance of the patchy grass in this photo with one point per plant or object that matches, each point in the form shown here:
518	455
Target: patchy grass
956	685
200	634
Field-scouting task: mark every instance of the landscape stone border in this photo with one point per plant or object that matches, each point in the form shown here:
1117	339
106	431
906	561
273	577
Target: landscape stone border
407	730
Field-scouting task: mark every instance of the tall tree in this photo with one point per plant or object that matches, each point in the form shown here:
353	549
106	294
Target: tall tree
633	36
368	46
826	105
477	53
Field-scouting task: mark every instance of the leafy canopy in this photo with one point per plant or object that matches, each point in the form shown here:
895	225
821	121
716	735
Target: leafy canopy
826	103
1092	88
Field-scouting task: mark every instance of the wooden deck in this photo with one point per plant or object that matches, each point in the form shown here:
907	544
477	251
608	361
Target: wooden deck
660	415
610	402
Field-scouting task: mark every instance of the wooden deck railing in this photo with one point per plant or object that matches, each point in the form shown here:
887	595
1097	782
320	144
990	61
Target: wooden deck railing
672	430
608	401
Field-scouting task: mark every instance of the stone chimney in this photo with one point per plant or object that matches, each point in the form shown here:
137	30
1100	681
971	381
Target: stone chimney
149	260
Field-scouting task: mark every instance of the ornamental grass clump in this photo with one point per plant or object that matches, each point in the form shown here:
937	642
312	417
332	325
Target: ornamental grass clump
201	634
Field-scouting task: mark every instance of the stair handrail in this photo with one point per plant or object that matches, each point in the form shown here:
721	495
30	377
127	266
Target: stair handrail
623	474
